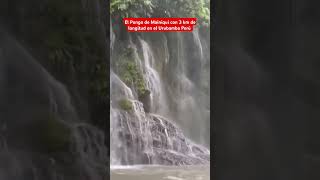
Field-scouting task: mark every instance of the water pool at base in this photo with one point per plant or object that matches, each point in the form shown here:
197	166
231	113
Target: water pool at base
154	172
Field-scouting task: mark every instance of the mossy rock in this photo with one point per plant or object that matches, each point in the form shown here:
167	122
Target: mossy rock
130	73
52	135
125	104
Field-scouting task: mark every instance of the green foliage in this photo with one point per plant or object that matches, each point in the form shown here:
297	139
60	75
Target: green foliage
162	8
131	8
125	104
130	73
185	8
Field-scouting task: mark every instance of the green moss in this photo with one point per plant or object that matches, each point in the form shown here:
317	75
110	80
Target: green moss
52	135
130	72
125	104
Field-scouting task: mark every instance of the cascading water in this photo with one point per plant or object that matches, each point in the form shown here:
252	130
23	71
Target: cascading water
41	136
152	127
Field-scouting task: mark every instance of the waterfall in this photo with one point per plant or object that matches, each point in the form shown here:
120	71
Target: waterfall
112	37
158	98
38	117
168	125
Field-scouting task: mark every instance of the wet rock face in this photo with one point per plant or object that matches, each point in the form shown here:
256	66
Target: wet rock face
146	100
174	148
156	140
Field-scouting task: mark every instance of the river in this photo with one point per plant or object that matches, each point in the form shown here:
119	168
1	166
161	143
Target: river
158	172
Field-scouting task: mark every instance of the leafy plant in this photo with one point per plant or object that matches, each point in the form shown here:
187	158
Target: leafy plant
131	8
